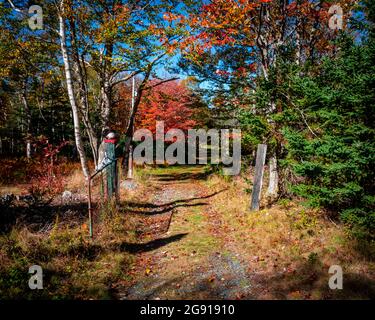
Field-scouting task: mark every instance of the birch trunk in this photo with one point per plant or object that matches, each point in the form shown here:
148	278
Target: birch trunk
130	127
106	104
69	84
27	118
272	191
105	87
126	158
83	94
28	149
130	165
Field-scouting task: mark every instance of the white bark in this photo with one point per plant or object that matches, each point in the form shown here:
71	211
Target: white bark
272	191
83	93
106	105
28	149
130	166
130	160
27	113
69	84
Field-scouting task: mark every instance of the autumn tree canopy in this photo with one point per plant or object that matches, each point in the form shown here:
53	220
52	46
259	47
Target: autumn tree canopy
172	103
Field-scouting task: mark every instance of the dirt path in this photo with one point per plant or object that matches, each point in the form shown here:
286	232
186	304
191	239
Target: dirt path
196	240
186	253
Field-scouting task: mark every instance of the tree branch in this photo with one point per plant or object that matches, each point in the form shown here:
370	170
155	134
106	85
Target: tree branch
15	8
129	76
161	82
302	115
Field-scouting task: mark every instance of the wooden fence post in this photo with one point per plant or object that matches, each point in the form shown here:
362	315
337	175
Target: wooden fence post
258	177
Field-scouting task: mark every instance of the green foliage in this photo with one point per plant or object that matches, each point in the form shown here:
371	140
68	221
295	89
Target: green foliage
255	129
322	126
336	159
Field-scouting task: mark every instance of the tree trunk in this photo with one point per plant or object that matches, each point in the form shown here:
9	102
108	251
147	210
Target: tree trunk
272	191
105	87
298	48
83	94
28	119
127	147
106	104
69	84
28	149
130	164
130	128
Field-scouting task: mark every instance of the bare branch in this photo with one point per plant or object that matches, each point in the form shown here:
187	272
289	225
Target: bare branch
302	114
129	76
15	8
161	82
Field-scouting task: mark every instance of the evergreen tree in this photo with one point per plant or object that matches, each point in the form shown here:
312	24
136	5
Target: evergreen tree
326	126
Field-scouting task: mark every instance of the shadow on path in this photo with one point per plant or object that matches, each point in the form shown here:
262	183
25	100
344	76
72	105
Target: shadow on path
166	207
151	245
181	176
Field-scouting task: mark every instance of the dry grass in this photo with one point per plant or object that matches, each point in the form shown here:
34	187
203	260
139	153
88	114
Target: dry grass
292	246
288	247
75	182
74	265
13	189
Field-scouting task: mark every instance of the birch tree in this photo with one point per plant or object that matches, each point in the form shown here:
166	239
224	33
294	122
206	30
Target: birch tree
70	90
109	43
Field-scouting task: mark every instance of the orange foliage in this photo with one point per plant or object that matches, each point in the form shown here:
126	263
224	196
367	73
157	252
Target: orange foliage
170	102
261	25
